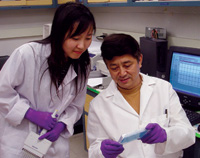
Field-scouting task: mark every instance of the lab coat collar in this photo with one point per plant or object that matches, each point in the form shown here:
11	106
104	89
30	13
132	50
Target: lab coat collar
146	82
71	74
111	89
116	97
145	93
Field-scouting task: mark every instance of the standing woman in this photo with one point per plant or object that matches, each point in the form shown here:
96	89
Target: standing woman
42	76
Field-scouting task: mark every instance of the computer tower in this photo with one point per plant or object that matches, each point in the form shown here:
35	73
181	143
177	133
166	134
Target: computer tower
154	56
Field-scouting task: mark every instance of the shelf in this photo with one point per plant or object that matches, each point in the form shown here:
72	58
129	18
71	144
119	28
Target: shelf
27	4
38	2
64	1
12	3
132	3
107	3
167	3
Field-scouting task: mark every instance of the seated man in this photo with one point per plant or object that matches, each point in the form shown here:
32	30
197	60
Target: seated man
135	101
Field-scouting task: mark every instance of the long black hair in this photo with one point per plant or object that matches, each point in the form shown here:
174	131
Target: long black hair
65	17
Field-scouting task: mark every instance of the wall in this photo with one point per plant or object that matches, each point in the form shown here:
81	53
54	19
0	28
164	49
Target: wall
20	26
182	24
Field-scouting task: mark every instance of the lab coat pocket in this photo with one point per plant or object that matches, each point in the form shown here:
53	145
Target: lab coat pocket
162	120
13	138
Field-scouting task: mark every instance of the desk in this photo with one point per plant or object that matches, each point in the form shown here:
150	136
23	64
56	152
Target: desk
91	93
193	151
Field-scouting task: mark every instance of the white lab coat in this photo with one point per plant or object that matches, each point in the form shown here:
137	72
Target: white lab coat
24	84
110	116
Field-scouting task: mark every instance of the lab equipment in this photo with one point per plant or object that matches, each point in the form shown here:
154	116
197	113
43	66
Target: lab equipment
33	147
193	117
156	32
125	138
154	56
183	73
94	53
197	130
99	71
101	66
46	30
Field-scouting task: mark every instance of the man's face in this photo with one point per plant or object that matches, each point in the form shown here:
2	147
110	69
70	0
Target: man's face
124	70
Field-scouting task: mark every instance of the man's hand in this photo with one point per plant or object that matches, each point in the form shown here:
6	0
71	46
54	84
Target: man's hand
156	134
111	149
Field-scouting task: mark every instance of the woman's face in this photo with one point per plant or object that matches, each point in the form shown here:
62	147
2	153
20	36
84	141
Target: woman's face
75	46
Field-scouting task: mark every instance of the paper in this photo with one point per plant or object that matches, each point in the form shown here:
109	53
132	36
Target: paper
92	82
125	138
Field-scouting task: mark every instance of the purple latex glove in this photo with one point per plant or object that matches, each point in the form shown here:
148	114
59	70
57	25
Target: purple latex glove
54	133
42	119
156	134
111	149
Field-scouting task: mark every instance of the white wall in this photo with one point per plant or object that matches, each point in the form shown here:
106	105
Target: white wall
20	26
182	24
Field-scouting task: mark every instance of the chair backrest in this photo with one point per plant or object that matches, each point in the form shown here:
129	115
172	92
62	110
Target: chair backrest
3	60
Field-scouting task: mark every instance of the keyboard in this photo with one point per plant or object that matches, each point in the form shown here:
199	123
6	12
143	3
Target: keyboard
193	116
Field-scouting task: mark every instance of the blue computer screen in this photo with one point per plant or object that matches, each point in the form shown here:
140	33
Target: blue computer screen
185	73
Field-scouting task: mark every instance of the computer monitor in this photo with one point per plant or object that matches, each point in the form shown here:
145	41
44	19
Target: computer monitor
184	74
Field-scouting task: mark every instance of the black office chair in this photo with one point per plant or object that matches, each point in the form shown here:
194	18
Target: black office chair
3	60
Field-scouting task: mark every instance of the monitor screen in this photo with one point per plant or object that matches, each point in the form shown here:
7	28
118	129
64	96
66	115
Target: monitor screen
184	74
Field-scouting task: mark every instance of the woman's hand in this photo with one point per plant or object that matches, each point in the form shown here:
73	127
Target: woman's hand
40	118
54	133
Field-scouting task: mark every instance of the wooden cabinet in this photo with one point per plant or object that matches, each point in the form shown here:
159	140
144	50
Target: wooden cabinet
12	4
101	1
118	1
18	3
38	2
6	3
166	3
97	1
135	3
106	1
64	1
